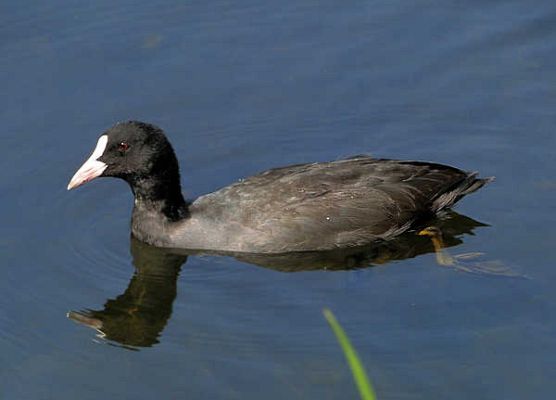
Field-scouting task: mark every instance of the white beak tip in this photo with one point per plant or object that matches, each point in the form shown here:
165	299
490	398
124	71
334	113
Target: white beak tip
92	168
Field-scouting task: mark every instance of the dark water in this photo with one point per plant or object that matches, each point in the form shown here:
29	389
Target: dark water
244	86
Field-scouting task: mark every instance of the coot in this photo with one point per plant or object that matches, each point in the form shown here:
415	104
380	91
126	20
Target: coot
302	207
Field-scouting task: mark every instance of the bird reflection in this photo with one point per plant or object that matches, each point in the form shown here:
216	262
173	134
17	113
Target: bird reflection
137	317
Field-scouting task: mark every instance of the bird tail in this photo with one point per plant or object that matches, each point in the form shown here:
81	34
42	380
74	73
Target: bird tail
467	185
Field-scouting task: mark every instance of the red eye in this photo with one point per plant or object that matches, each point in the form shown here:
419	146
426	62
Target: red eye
123	147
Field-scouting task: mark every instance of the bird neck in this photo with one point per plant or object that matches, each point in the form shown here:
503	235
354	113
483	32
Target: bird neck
160	195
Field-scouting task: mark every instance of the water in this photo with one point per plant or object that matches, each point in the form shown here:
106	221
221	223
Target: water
240	88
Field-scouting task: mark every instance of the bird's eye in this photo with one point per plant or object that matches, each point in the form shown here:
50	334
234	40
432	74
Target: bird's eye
123	147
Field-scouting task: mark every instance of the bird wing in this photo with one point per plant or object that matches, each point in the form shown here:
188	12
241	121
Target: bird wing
345	202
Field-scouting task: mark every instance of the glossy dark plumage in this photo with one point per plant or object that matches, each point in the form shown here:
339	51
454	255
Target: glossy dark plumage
295	208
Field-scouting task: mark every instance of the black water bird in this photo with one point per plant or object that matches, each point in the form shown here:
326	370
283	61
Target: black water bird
304	207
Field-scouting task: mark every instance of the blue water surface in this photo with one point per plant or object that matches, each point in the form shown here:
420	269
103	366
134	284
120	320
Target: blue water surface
244	86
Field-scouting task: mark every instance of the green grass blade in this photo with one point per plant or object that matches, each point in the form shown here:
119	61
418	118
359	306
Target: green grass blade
359	375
